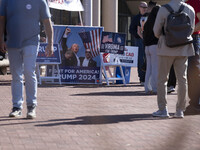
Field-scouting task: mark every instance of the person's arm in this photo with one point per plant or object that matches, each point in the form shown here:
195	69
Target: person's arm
2	31
64	40
139	32
49	33
159	23
133	26
197	26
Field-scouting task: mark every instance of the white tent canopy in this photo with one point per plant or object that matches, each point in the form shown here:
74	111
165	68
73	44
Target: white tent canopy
69	5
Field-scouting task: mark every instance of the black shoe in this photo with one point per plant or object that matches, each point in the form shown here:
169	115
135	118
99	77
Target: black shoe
16	112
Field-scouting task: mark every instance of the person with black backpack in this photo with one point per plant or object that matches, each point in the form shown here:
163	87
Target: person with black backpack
172	51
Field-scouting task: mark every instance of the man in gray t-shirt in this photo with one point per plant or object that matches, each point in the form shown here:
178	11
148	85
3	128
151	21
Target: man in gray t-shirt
21	19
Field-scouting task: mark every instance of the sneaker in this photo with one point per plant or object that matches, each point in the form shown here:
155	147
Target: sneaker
161	113
170	89
179	114
31	114
16	112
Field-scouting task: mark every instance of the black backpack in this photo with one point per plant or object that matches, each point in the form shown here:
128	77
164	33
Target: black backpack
178	29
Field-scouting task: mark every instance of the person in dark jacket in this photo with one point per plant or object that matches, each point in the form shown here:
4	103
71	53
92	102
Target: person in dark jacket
138	40
69	56
87	61
150	42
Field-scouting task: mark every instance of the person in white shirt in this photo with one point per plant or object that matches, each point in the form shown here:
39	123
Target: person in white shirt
87	61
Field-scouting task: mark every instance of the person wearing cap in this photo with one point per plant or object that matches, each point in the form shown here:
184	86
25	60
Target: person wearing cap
133	29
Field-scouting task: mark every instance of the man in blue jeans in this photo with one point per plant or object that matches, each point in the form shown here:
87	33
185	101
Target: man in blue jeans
138	40
22	20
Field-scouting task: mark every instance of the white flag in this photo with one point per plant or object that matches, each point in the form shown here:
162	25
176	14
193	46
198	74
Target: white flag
70	5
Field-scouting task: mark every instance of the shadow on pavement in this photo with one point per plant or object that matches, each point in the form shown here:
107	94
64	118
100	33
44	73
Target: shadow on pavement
83	120
79	85
116	93
96	120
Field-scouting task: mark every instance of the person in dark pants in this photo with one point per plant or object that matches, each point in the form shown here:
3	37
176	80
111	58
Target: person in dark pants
194	65
3	54
171	84
138	40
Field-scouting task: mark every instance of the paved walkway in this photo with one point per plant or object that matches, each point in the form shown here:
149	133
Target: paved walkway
95	117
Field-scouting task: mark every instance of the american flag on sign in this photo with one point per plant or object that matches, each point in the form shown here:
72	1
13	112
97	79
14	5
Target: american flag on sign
92	41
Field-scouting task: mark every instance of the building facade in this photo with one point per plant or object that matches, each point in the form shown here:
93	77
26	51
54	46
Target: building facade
113	15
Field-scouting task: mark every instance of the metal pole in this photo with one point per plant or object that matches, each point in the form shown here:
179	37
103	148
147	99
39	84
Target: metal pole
80	18
87	14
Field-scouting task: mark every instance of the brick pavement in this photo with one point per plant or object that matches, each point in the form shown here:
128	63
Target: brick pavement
95	117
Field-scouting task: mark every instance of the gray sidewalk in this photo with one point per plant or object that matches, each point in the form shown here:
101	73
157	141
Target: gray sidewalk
95	117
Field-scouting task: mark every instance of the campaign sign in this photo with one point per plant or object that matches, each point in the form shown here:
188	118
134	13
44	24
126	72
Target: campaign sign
75	75
113	42
80	53
54	59
129	58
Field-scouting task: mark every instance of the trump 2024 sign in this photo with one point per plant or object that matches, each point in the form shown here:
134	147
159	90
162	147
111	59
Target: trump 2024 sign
54	59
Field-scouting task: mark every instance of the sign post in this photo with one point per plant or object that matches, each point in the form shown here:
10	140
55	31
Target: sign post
112	43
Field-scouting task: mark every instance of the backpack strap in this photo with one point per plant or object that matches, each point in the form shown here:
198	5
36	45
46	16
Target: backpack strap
169	8
181	8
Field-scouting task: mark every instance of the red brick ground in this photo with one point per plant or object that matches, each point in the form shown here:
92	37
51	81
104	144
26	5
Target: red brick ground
95	117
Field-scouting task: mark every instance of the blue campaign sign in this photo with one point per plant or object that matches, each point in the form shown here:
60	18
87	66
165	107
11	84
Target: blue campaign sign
113	43
80	54
54	59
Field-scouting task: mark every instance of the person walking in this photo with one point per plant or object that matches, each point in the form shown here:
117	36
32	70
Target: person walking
133	29
194	65
168	56
22	20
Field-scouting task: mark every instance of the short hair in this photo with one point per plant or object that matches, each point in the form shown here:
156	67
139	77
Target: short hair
151	3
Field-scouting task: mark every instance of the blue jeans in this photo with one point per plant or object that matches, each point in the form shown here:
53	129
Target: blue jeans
194	73
141	57
23	62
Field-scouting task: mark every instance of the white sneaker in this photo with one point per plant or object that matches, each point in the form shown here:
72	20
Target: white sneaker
31	114
170	89
179	114
16	112
161	113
